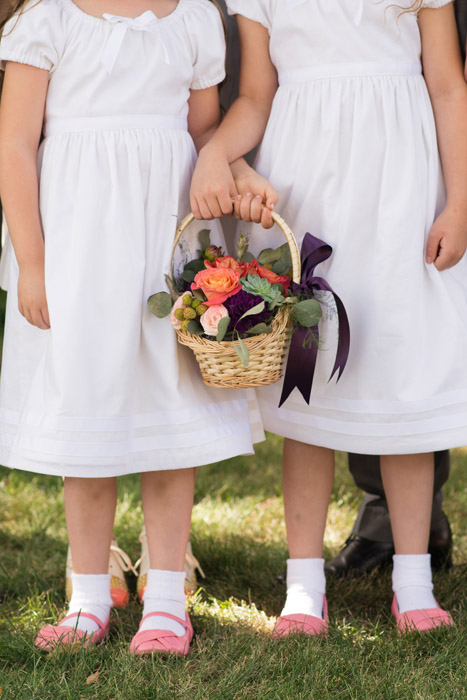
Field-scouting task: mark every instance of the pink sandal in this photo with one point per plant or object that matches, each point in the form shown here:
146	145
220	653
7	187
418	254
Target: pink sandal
53	636
308	625
420	620
163	641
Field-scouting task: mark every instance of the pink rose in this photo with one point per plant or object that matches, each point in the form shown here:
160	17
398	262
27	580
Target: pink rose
178	305
210	319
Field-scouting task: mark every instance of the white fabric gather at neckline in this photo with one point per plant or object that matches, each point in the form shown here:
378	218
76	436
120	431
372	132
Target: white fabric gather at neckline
147	22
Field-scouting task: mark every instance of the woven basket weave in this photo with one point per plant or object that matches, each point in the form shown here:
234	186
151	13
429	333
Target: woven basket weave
219	363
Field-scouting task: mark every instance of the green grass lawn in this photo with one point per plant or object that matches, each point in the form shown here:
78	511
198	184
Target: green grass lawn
238	535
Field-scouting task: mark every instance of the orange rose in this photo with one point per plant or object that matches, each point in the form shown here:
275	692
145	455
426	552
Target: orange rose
271	276
228	263
218	284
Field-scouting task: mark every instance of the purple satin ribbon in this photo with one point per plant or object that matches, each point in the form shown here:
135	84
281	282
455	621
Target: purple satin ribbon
301	363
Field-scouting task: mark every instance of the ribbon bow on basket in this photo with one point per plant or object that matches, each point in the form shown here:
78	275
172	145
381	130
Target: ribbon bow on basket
302	358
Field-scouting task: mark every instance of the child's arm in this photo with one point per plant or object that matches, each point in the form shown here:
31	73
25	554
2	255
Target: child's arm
203	121
21	117
443	69
241	130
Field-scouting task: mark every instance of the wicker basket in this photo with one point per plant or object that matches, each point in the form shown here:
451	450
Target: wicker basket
219	363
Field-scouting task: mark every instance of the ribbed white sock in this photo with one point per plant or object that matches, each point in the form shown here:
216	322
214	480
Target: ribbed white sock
306	586
91	594
412	582
165	592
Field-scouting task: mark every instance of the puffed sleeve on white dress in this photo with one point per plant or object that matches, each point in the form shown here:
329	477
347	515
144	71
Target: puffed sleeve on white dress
34	36
207	41
257	10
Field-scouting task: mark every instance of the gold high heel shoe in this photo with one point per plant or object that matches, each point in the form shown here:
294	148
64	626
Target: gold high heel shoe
191	564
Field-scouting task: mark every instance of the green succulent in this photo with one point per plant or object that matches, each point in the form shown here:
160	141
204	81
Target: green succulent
254	284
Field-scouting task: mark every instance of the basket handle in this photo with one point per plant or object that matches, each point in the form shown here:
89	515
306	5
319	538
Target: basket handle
278	220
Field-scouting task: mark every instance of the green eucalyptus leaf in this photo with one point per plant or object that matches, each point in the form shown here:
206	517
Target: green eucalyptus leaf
242	352
195	265
195	328
259	329
222	328
269	256
276	299
279	268
254	310
307	313
160	304
188	275
247	257
284	262
204	238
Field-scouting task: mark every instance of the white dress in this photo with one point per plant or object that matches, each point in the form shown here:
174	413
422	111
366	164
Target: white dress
108	390
351	148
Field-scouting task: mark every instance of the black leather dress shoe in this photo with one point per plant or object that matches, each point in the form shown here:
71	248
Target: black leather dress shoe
440	545
360	555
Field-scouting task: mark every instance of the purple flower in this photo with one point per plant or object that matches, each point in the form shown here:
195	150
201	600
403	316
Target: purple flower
238	304
302	290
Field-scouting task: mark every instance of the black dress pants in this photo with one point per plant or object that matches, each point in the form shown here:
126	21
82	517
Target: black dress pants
460	7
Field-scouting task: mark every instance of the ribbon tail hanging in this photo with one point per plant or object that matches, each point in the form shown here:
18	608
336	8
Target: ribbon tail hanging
301	364
343	343
113	46
302	358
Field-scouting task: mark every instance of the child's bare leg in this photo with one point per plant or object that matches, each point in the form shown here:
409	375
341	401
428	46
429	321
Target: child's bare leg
307	484
90	511
167	504
408	484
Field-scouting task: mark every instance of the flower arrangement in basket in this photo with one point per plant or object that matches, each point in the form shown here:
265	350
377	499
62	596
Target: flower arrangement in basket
237	313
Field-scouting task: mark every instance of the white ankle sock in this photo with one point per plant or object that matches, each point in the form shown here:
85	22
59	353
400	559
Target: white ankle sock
165	592
412	582
306	586
91	594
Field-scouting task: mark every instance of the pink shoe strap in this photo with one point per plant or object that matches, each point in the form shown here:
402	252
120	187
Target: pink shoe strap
185	623
99	623
438	611
155	635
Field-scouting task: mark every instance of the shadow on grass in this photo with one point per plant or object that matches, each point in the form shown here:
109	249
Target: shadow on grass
31	563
